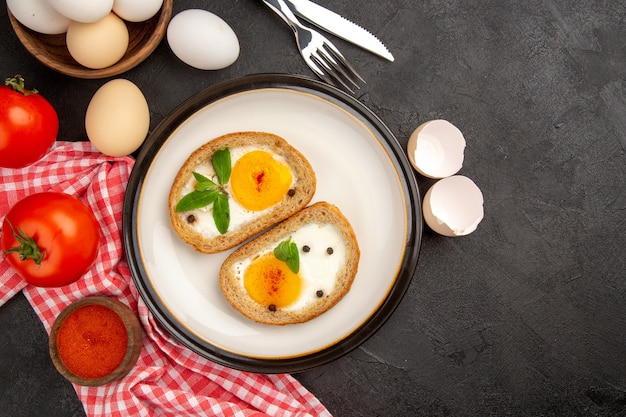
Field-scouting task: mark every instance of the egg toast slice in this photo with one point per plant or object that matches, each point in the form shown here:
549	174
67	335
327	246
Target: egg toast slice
236	186
296	271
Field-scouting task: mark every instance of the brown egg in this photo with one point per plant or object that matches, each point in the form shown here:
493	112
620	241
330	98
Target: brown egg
99	44
118	118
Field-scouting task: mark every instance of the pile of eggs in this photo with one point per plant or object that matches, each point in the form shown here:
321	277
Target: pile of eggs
453	206
95	30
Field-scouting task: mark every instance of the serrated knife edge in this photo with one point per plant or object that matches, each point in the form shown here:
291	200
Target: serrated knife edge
339	26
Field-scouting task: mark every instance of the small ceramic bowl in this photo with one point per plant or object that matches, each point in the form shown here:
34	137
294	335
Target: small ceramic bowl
133	345
52	51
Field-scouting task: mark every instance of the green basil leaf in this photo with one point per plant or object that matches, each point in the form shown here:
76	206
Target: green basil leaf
281	252
203	183
197	199
221	213
222	165
287	251
294	258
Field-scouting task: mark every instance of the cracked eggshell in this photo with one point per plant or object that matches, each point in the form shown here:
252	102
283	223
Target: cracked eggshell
436	149
453	206
202	40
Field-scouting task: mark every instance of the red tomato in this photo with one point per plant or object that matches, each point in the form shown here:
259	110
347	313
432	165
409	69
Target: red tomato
28	124
50	239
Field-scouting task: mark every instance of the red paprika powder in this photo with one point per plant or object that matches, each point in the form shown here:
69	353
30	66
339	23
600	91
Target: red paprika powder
92	341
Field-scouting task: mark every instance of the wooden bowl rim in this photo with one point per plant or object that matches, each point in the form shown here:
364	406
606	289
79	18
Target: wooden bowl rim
78	71
133	348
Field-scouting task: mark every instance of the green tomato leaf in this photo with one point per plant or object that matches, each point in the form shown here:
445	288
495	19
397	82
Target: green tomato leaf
287	251
221	213
203	183
197	199
222	165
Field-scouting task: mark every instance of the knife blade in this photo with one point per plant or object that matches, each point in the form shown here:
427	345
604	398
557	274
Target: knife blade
339	26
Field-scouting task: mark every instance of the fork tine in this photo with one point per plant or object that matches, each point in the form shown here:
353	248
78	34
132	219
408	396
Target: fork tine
334	64
322	70
315	65
335	69
330	69
338	57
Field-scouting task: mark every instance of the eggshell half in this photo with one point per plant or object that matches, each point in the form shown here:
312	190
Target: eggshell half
436	149
453	206
202	40
118	118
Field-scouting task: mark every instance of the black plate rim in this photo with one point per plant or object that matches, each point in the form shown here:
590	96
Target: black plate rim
405	273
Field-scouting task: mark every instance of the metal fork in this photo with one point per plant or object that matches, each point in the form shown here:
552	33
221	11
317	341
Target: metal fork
318	52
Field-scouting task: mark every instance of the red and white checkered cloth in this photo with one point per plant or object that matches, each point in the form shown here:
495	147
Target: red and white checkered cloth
169	379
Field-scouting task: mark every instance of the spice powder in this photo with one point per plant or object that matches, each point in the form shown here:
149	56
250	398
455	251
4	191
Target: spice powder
92	341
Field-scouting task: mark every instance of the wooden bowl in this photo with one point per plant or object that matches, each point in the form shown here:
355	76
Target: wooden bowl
52	51
133	347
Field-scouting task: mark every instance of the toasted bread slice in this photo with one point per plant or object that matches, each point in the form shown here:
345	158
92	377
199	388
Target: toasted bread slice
197	226
328	262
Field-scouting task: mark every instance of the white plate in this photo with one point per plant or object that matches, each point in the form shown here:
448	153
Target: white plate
359	169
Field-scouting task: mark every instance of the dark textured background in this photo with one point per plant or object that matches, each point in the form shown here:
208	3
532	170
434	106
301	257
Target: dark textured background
525	317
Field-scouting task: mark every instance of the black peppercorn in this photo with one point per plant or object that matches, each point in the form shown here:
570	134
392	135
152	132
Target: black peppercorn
291	192
329	251
319	293
306	248
191	218
272	308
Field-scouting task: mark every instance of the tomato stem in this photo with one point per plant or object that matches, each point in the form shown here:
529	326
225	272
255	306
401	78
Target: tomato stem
28	248
17	84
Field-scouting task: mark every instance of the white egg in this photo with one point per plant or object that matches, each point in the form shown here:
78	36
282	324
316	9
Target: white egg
453	206
202	40
436	149
86	11
118	118
136	10
39	16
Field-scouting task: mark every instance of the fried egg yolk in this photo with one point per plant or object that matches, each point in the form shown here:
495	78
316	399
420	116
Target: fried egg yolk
269	281
259	181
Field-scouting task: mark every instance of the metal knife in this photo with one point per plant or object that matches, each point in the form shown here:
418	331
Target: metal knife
339	26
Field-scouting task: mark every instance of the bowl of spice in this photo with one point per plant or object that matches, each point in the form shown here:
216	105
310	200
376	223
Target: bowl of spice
95	340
